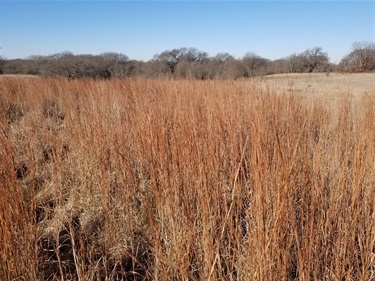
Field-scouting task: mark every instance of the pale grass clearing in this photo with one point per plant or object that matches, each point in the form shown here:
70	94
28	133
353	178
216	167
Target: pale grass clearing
23	76
321	83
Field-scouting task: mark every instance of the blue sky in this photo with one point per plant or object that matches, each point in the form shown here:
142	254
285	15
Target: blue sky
140	29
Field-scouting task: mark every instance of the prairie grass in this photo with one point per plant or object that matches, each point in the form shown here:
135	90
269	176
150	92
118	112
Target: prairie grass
141	179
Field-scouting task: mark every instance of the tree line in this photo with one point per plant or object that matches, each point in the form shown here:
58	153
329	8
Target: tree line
189	63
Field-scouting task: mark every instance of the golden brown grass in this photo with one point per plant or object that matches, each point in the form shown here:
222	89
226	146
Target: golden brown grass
184	180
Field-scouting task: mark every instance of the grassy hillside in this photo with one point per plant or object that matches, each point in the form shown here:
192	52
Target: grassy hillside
184	180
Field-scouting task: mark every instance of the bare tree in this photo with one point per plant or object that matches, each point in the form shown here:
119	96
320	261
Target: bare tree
224	65
360	59
295	63
155	68
2	63
172	57
115	64
234	69
224	57
315	60
17	66
311	60
255	65
279	66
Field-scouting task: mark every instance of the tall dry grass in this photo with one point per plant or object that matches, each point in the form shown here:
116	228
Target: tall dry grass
184	180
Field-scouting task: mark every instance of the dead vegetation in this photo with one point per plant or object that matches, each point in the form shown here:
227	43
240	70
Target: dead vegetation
325	84
184	180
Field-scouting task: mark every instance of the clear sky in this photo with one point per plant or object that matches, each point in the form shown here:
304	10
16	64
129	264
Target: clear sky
141	29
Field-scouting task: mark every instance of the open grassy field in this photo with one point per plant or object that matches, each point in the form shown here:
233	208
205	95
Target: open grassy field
323	83
268	179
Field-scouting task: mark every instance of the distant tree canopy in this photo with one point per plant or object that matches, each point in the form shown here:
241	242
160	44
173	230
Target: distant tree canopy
360	59
311	60
105	66
255	65
188	63
2	63
188	57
